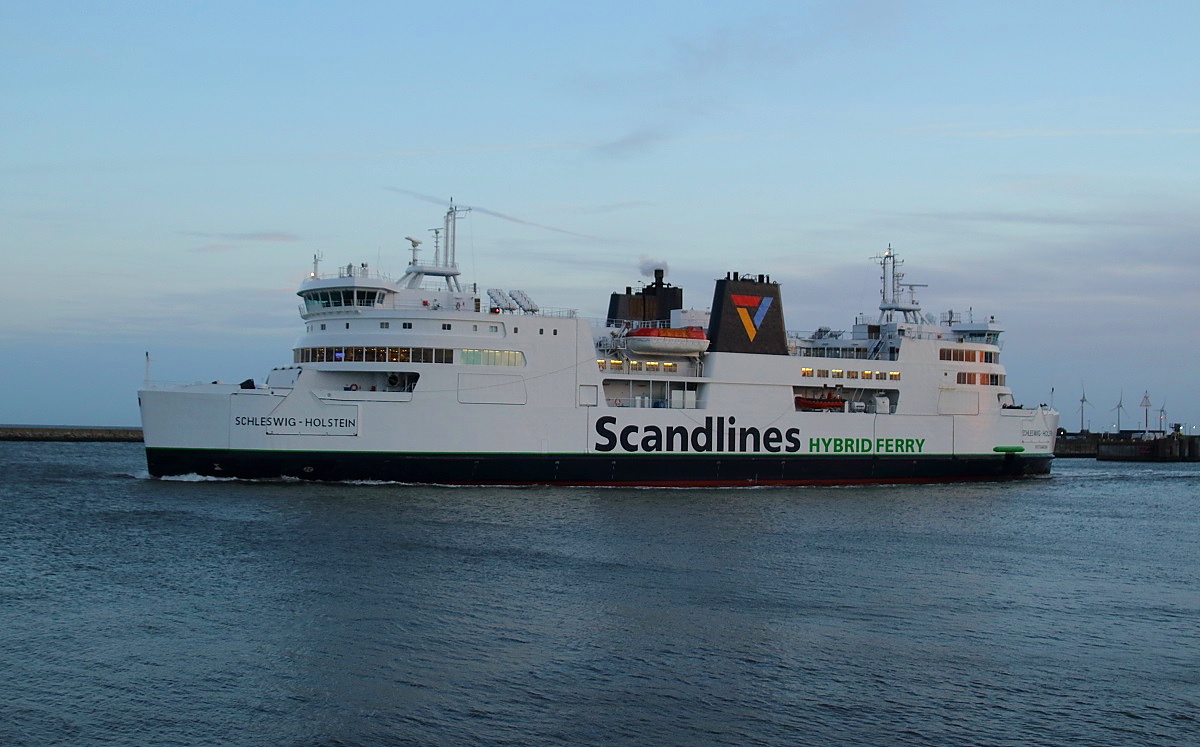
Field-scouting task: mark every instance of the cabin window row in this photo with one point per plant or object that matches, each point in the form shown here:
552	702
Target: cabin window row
466	357
472	357
373	355
327	298
985	379
651	366
969	356
838	373
825	352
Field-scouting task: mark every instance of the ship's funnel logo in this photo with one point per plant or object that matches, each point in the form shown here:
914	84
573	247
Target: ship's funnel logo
751	310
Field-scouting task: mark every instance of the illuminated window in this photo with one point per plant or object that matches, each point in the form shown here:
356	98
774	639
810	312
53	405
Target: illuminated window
837	373
806	372
601	364
472	357
894	375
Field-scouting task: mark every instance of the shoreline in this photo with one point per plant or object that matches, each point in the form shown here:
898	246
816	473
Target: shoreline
68	433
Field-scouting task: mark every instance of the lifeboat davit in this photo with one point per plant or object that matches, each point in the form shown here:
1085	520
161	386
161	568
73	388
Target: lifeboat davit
666	340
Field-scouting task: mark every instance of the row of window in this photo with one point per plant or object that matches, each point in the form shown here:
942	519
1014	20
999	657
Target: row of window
470	357
466	356
837	373
826	352
373	355
652	366
969	356
986	379
324	299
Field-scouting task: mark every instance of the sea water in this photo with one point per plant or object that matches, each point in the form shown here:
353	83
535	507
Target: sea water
1051	611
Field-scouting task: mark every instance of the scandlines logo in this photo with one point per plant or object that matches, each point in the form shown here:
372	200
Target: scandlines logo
748	306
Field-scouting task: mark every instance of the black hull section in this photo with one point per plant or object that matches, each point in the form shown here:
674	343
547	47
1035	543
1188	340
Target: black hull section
592	469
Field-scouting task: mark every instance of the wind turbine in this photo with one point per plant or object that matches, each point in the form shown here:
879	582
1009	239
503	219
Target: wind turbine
1120	406
1082	401
1162	417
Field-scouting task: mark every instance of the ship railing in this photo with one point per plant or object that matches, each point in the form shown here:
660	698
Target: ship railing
351	271
644	367
436	305
628	324
800	350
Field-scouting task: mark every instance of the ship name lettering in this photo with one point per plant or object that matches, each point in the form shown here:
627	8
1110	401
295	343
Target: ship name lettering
719	434
276	421
866	445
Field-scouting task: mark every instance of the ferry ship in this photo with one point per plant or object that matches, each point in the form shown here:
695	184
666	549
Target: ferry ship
423	380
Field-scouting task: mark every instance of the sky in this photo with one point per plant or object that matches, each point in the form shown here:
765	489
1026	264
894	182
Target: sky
168	171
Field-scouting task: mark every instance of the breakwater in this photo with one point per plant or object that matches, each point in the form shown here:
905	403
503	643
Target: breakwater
68	433
1171	448
1129	447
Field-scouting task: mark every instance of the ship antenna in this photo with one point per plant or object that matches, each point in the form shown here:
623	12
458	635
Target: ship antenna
437	246
415	243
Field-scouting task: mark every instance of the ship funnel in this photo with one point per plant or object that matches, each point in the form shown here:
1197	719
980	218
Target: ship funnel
747	317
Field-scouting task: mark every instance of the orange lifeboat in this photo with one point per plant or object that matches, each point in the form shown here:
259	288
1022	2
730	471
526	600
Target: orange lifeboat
666	340
820	403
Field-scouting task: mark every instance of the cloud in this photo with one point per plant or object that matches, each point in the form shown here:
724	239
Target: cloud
1127	218
614	207
632	143
229	242
970	131
253	236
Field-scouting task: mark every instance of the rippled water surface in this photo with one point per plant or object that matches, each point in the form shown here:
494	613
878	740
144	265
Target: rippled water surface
133	611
